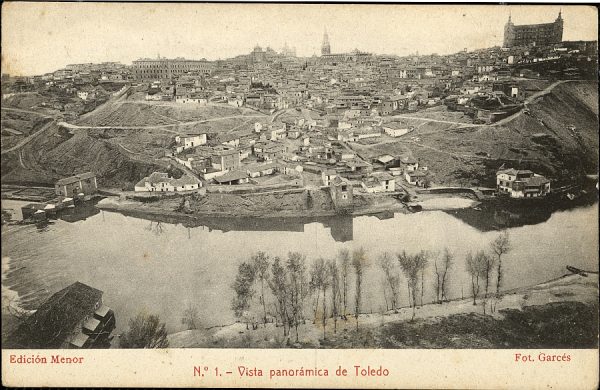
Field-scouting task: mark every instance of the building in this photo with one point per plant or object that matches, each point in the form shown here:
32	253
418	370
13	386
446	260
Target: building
146	69
379	182
189	141
327	176
533	34
226	160
74	317
396	129
522	183
342	193
416	178
84	183
409	163
161	182
232	177
257	170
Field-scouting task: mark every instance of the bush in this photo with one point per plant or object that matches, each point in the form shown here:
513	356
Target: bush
145	331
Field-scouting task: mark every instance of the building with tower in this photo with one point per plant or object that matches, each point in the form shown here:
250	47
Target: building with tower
533	34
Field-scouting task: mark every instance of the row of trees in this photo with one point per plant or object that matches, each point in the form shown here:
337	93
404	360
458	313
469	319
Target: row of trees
291	284
275	289
325	285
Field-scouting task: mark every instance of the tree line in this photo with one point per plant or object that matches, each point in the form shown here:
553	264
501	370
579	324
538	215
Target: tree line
288	291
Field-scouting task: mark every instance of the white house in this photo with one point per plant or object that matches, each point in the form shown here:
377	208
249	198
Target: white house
409	164
415	177
327	176
189	141
185	99
522	183
257	170
161	182
396	129
379	182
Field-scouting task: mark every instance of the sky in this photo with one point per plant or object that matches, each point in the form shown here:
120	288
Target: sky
39	38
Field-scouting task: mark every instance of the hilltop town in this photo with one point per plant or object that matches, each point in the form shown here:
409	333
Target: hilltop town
347	132
346	199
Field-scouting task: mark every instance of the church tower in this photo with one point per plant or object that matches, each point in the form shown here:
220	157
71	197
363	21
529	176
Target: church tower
558	27
508	33
325	48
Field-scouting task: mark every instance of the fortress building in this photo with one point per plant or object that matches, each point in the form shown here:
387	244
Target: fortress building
164	68
533	34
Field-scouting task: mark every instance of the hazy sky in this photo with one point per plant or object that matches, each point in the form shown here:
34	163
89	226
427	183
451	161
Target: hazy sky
38	38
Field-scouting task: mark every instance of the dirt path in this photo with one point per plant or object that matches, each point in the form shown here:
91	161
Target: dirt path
29	138
27	112
530	100
436	120
156	127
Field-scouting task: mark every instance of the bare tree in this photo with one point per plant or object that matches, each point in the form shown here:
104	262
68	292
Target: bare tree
441	273
387	264
244	292
334	274
345	261
474	270
324	286
486	265
447	261
260	262
421	260
317	279
359	263
296	266
410	267
500	246
278	283
190	317
145	331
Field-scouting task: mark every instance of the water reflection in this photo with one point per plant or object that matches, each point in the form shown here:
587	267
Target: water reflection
501	214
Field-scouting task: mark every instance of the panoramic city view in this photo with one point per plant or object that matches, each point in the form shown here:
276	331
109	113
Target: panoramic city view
299	176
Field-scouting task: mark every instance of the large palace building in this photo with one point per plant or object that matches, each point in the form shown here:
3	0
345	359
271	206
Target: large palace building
533	34
164	68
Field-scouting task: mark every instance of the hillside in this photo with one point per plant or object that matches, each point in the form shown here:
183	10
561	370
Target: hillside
541	140
59	154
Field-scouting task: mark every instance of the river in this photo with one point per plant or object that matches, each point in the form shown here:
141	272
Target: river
162	268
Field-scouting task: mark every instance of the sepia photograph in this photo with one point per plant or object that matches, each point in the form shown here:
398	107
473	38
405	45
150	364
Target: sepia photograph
231	177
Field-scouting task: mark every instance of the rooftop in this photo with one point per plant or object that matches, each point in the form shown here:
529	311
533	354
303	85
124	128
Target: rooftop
75	178
57	317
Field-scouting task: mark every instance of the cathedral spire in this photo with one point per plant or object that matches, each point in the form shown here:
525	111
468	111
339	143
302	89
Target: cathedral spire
325	47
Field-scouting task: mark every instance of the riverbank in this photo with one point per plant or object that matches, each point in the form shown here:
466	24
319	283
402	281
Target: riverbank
561	313
289	205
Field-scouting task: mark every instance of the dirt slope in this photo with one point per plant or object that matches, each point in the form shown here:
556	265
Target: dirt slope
541	140
60	154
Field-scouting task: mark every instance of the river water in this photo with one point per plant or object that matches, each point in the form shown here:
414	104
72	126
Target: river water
162	268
